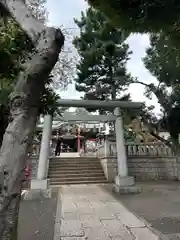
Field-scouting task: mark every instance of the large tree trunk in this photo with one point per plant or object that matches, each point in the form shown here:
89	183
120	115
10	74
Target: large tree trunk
175	144
4	115
24	111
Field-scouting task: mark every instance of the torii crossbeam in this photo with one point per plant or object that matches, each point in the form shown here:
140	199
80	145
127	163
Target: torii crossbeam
99	104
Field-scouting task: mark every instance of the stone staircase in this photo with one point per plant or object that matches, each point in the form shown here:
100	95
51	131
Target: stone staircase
79	170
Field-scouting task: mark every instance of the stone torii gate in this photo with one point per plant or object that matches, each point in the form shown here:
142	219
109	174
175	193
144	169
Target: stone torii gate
122	179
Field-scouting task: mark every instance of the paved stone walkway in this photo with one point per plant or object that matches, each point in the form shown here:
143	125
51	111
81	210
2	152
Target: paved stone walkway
89	212
158	203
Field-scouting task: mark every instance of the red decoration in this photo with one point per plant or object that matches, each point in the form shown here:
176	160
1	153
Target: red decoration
27	173
78	141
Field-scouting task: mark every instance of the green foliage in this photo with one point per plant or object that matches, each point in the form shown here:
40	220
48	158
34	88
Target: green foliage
49	100
163	51
162	19
141	16
101	72
162	60
15	48
129	136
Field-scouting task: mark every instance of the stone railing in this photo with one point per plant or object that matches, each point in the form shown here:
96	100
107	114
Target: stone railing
151	149
140	149
32	160
100	151
153	161
111	150
132	149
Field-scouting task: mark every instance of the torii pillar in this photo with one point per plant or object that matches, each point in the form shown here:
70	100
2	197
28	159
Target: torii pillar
42	182
123	182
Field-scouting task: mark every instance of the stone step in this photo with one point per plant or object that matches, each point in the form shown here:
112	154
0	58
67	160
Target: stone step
74	166
67	158
80	174
78	177
74	161
79	169
74	158
56	162
75	171
69	171
80	162
55	184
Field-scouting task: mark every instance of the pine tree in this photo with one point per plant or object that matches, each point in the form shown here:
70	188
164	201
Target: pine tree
101	72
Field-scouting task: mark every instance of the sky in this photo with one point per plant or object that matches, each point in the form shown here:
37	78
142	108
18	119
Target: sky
62	12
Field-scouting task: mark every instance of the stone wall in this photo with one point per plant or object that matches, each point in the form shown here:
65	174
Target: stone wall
109	166
33	163
153	168
143	168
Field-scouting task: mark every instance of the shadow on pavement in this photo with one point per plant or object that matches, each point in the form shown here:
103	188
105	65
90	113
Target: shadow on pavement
37	218
158	203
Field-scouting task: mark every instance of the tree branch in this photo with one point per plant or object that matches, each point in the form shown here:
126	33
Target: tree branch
154	134
18	10
142	83
163	101
166	142
158	85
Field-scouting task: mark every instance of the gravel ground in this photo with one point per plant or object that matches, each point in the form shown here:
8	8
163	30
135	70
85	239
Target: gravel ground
37	218
159	204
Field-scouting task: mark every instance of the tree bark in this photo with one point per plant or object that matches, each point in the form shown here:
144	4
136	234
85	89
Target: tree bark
24	106
4	115
175	144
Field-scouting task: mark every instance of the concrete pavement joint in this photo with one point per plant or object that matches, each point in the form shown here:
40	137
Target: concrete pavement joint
93	219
